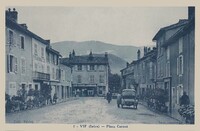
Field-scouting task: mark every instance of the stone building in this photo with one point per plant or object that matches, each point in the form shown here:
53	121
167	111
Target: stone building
90	74
18	57
140	74
164	70
180	52
31	62
52	68
65	82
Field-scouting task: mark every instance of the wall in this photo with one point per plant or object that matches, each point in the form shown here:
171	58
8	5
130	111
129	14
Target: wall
18	78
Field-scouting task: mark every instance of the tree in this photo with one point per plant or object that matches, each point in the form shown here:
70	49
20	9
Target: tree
114	82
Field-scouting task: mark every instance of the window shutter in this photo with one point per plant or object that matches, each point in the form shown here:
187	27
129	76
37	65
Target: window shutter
14	39
7	36
8	63
182	65
15	61
177	67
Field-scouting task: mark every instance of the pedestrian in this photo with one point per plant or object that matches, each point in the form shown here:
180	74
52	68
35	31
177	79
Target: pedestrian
55	98
118	100
184	100
109	96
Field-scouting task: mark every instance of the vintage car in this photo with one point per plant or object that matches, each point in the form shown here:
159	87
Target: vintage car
129	98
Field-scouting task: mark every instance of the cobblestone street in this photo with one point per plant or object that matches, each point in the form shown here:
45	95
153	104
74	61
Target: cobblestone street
89	110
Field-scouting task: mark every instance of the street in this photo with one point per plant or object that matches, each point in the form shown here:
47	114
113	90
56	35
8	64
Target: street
89	110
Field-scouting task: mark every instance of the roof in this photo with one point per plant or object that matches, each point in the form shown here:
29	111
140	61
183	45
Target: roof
84	60
180	32
50	49
13	24
164	29
150	54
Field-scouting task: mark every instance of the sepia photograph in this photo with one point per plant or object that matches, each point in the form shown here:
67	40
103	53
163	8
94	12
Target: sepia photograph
99	65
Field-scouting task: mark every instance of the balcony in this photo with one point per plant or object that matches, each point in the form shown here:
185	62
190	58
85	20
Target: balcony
41	76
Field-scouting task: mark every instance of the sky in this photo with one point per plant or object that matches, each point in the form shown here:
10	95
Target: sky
134	26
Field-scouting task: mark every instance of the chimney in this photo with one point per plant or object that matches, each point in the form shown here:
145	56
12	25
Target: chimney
24	26
127	64
70	55
138	54
73	53
149	49
12	14
106	55
48	41
90	55
145	50
191	12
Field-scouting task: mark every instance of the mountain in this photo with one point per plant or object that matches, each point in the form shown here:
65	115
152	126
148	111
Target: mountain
118	55
128	53
116	63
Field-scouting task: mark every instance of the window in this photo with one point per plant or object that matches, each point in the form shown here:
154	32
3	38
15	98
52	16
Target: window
48	70
23	66
66	75
56	60
12	89
57	74
47	57
179	93
35	49
180	65
168	69
180	43
12	65
53	73
101	79
53	59
10	37
23	86
150	70
101	68
79	78
79	67
91	78
42	52
62	75
168	53
91	67
22	41
36	86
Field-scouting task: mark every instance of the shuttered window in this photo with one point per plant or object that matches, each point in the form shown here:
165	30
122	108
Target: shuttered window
12	64
23	65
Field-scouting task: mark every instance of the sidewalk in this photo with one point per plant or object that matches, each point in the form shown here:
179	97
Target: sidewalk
59	102
173	115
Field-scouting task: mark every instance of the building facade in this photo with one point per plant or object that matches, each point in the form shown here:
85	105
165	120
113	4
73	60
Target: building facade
53	68
90	74
18	56
31	62
180	56
164	68
65	82
140	74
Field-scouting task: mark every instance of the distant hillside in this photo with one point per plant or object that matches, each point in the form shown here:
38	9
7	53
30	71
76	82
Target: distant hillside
128	53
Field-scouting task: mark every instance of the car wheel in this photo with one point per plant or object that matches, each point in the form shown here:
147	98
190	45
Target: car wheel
122	106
